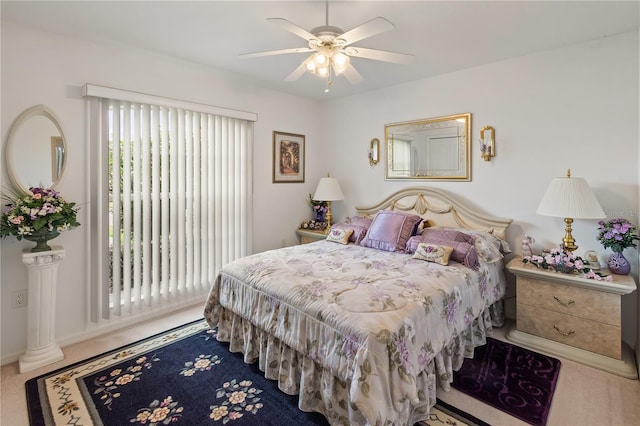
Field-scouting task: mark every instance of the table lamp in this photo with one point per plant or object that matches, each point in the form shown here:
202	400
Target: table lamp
570	198
328	190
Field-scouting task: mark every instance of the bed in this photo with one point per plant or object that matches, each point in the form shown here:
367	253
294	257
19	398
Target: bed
367	335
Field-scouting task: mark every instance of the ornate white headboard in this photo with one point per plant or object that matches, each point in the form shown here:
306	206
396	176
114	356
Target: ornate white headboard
439	208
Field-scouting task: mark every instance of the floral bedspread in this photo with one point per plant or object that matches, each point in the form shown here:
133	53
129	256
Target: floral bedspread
361	334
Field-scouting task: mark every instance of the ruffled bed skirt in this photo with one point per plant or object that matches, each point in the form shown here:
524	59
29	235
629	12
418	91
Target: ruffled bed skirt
321	391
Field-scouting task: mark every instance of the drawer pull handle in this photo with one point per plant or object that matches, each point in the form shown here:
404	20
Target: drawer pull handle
566	304
564	333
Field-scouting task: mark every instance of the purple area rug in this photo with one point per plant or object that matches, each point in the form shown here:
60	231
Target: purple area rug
515	380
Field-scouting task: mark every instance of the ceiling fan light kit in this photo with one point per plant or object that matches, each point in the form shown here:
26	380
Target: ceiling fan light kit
332	51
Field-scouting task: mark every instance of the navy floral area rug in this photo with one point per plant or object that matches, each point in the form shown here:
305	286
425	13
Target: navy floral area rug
515	380
182	376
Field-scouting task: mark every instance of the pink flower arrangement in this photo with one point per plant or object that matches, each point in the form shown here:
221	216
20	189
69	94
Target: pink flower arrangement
566	262
44	210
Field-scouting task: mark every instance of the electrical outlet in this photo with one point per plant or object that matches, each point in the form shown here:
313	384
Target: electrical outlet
19	298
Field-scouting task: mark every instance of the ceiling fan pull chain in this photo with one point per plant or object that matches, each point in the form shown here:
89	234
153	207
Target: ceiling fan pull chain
326	12
329	82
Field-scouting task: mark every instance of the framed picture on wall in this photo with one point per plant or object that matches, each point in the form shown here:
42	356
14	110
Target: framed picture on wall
288	157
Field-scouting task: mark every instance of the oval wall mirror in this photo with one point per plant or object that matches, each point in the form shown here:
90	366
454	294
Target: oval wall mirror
36	150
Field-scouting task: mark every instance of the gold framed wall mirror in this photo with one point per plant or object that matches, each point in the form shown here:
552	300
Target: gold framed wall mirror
429	149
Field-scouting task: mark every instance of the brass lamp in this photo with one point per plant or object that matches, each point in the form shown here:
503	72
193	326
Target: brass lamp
570	198
328	190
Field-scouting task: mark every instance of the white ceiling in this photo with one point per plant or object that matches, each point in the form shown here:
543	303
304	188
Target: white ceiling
444	36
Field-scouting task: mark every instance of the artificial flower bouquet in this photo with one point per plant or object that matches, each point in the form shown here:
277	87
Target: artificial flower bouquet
319	208
41	211
566	262
617	234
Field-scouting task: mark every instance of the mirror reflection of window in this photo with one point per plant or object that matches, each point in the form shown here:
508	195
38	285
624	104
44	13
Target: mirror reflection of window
402	156
57	157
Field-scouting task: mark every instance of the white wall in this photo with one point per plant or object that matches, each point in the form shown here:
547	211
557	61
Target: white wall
45	68
573	107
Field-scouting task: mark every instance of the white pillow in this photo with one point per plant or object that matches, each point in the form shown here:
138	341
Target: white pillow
433	253
339	235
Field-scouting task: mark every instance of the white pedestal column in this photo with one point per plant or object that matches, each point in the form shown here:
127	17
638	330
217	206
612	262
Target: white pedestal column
41	309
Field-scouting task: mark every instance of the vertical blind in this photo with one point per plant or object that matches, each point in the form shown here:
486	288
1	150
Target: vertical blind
175	203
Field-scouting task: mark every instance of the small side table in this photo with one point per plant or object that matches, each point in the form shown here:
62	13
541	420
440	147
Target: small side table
308	236
572	317
41	322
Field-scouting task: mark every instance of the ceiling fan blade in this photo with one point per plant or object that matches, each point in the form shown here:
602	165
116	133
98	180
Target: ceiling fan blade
368	29
379	55
293	28
352	75
302	68
277	52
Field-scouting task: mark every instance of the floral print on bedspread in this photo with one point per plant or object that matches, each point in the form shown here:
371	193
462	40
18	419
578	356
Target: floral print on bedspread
372	317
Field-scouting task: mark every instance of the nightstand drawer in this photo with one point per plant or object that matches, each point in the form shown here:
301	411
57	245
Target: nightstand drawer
579	302
578	332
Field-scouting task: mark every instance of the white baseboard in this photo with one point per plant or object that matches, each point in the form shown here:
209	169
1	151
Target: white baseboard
107	326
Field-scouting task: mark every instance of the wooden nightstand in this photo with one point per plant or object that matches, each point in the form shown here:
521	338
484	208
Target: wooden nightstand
308	236
572	317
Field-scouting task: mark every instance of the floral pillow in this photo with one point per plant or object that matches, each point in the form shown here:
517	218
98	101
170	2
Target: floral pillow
489	247
390	231
463	252
341	236
433	253
358	232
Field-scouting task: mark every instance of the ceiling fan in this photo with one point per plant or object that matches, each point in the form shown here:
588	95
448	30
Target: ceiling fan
332	49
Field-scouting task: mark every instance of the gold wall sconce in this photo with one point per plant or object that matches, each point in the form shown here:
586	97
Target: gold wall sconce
374	151
488	143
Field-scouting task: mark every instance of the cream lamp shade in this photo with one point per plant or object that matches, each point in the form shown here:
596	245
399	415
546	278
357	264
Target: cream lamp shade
570	198
328	190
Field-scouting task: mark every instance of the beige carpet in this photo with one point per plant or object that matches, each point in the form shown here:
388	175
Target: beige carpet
584	396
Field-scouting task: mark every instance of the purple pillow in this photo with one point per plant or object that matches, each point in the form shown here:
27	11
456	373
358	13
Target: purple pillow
390	230
360	221
449	234
463	252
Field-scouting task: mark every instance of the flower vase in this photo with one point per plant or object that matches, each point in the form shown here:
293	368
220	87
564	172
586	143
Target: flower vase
618	264
41	238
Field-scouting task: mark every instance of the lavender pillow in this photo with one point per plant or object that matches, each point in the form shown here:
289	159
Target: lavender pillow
449	234
360	221
463	252
391	230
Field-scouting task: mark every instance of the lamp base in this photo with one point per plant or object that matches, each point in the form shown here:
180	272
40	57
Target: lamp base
568	242
328	217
